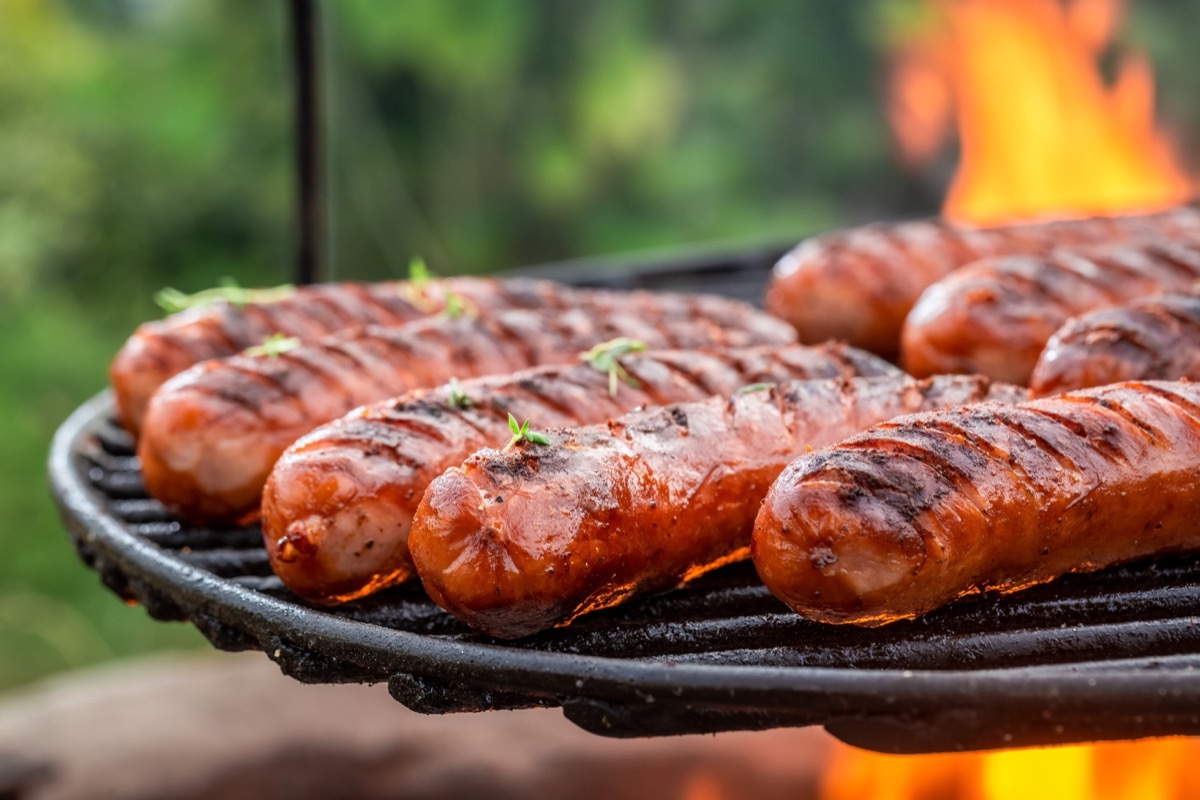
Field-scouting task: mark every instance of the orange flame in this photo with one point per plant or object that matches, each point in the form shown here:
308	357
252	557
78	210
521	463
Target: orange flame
1040	132
1151	770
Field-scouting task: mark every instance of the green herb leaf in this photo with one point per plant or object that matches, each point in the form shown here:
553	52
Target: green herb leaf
754	387
273	345
414	289
458	398
418	272
521	431
604	358
454	307
536	437
172	300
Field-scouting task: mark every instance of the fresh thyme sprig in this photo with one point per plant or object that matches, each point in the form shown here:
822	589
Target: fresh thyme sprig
413	290
521	431
227	290
604	358
458	398
754	387
273	345
418	272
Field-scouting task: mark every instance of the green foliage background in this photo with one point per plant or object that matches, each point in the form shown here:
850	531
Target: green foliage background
145	144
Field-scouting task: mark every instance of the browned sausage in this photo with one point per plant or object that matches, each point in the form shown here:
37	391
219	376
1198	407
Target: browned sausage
1155	338
995	316
211	434
915	512
857	285
516	542
339	503
161	349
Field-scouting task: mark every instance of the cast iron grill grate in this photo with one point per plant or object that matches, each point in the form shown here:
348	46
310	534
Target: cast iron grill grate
1110	655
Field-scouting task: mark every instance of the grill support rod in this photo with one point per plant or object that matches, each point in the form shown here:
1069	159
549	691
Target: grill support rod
302	15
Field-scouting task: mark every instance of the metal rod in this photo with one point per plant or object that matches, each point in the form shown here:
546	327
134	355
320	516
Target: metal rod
307	127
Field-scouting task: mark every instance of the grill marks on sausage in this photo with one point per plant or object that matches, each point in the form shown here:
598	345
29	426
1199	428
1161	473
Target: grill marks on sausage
160	349
1154	338
858	284
281	398
979	309
660	495
424	435
1038	476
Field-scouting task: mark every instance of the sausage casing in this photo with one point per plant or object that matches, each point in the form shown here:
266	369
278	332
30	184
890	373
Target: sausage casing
339	502
212	433
995	316
918	511
163	348
1154	338
858	284
516	542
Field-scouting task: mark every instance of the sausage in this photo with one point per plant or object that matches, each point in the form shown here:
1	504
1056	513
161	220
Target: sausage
212	433
516	542
339	503
918	511
995	316
857	285
1155	338
163	348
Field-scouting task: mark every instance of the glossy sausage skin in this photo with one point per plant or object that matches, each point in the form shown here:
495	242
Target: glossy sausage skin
1155	338
163	348
212	433
918	511
513	543
339	503
995	316
857	285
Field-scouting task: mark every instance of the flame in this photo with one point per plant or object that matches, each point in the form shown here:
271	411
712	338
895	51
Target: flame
1040	131
1158	769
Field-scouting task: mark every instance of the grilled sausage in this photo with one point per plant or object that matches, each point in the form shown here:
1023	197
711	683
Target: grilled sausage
858	284
339	503
161	349
212	433
995	316
1155	338
918	511
516	542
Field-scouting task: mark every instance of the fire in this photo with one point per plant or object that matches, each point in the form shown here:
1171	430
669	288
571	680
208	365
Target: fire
1040	131
1151	770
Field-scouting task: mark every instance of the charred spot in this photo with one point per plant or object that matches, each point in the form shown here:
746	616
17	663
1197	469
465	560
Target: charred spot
499	498
425	407
510	466
679	416
790	392
881	481
822	558
851	494
1109	436
657	422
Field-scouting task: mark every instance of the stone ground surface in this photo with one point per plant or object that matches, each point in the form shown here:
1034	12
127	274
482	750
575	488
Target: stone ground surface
220	725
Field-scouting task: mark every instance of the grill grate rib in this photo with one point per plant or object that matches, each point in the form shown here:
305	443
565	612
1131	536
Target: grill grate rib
1108	655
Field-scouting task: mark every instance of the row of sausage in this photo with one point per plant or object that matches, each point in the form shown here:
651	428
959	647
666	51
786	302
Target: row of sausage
384	422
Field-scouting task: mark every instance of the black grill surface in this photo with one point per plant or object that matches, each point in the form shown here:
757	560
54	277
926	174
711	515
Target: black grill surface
1090	657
